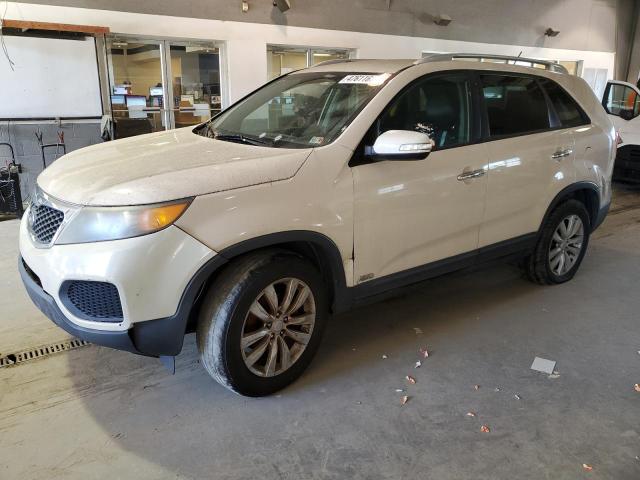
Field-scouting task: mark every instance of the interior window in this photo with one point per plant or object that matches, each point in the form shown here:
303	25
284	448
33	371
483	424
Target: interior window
436	106
622	101
569	113
515	105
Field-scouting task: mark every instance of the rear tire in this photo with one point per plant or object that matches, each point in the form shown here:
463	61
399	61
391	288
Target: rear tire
561	245
261	322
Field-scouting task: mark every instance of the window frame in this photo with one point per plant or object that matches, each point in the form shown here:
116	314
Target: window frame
475	123
554	118
605	99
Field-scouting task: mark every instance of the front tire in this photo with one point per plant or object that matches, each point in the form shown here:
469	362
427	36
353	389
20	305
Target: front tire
561	245
261	322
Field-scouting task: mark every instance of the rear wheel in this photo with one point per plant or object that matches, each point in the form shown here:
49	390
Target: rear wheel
561	246
261	322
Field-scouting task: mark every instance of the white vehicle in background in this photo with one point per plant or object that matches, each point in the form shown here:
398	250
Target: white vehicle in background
621	100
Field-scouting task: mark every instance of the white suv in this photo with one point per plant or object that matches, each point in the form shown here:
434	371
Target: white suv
321	190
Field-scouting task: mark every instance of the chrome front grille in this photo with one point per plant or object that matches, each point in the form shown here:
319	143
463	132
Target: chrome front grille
44	222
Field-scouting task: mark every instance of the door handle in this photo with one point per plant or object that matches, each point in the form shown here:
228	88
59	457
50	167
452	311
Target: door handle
470	175
561	154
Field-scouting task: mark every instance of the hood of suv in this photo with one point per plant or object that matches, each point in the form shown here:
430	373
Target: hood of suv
164	166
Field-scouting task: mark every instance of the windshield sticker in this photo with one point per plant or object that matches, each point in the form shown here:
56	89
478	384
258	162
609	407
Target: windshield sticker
316	140
371	80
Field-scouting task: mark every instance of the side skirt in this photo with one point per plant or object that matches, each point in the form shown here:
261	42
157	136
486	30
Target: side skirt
391	285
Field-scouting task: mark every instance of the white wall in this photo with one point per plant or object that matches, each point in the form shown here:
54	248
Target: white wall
245	44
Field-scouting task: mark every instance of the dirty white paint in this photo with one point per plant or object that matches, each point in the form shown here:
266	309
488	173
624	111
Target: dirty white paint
164	166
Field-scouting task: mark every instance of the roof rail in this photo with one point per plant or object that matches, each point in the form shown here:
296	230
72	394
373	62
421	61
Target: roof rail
331	62
445	57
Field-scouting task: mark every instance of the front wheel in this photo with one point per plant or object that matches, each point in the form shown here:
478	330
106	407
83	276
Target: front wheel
261	322
561	246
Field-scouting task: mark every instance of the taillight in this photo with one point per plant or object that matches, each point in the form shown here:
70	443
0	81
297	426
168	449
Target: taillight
618	139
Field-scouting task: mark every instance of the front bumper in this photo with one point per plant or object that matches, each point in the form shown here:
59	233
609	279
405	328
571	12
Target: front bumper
48	306
157	277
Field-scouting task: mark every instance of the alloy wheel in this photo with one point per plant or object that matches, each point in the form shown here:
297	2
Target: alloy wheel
278	327
566	245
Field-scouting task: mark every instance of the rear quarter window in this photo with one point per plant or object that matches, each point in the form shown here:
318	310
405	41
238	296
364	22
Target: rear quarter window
569	112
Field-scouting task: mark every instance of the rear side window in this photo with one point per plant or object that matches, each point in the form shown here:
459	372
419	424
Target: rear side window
569	113
515	105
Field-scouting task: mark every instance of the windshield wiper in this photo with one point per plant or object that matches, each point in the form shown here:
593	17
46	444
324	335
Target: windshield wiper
239	139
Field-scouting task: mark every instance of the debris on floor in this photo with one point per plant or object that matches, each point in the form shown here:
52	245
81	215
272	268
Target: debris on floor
543	365
637	387
417	330
587	467
485	429
418	364
384	357
424	352
399	390
404	400
477	387
516	396
496	389
471	414
411	380
555	374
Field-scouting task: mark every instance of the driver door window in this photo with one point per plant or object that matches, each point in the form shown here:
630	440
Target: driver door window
437	106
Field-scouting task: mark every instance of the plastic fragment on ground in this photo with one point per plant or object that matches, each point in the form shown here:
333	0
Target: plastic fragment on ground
543	365
471	414
410	379
404	400
485	429
417	330
418	364
587	467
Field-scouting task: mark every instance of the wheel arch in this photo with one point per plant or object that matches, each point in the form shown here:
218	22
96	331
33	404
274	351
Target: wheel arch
585	192
315	247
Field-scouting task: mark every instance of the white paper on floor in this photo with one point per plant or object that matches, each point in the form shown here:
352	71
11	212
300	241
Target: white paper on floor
543	365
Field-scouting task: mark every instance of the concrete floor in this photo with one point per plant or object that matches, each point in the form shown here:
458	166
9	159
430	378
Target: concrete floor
98	413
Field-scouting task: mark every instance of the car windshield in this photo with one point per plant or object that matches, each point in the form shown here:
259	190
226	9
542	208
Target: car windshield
300	110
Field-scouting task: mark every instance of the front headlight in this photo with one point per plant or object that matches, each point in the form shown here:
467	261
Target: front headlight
98	224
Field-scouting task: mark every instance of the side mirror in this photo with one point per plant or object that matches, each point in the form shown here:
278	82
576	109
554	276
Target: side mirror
402	145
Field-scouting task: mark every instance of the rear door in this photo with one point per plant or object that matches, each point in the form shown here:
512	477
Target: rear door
530	158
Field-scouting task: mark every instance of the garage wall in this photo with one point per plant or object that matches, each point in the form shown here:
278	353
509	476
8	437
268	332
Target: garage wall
584	24
245	43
